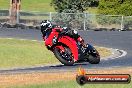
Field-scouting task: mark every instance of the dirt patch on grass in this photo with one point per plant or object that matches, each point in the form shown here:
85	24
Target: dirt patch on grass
104	52
41	78
34	78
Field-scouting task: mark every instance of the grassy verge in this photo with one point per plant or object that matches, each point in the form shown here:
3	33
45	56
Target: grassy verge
73	84
24	53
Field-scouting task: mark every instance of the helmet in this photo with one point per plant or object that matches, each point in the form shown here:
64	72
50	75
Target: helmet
45	25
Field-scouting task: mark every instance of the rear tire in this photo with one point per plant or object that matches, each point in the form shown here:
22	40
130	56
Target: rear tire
61	59
94	58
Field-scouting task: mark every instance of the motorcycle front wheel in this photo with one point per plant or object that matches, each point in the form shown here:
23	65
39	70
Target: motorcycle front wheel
65	57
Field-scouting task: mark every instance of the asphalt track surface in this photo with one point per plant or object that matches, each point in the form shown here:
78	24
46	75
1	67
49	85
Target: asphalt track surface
111	39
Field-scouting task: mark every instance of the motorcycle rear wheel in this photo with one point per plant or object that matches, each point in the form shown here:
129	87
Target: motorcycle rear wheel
94	58
63	60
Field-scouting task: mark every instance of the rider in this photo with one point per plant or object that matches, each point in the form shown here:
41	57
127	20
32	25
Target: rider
47	26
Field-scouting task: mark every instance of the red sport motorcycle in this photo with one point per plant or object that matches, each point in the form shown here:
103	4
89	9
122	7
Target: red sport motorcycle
68	51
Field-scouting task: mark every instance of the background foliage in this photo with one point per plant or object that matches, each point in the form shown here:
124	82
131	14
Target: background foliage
115	7
70	6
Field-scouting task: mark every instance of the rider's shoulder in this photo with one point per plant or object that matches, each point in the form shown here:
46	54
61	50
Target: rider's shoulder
55	28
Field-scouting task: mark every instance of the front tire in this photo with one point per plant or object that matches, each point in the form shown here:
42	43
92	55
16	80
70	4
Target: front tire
64	60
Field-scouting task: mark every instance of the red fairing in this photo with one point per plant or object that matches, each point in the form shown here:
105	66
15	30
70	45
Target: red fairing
48	41
71	43
54	32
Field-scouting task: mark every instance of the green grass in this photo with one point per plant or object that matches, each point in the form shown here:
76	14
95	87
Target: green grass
30	5
73	84
37	5
23	53
4	4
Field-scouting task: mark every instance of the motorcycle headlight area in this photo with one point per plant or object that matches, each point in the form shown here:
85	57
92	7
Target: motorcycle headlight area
54	41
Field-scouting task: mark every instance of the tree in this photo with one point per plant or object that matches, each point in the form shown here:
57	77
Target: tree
115	7
71	6
70	12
